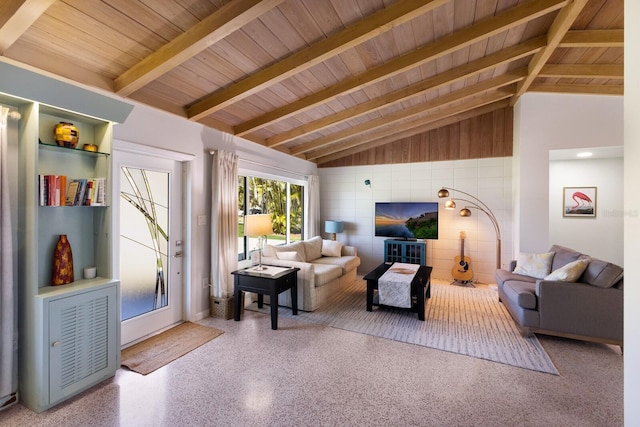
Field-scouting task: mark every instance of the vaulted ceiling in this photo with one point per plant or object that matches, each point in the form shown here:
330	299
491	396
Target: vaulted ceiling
320	79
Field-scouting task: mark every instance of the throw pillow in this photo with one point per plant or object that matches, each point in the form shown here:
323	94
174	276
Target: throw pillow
534	265
289	256
602	274
313	248
331	248
269	251
293	247
569	272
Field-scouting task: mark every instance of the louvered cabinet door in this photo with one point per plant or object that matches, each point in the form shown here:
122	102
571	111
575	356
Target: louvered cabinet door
82	332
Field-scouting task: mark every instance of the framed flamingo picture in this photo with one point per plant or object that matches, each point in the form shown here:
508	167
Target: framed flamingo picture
579	202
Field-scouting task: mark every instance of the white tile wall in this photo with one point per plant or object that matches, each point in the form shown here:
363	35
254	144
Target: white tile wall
344	196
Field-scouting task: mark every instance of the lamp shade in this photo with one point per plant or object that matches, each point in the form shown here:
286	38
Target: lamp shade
443	193
257	225
333	226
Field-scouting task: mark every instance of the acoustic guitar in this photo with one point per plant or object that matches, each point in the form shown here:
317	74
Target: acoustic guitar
461	270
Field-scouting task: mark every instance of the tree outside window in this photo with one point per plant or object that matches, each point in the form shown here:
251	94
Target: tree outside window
284	201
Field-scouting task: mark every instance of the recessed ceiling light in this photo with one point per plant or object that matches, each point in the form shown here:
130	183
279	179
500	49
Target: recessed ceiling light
584	154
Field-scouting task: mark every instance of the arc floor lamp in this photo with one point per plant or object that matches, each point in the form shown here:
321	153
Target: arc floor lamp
475	203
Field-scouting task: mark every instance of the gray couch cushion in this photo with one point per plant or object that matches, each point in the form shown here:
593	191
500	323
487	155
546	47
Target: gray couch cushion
524	293
563	256
602	274
505	276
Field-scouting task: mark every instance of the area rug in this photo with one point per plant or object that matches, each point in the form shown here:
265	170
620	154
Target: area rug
157	351
468	321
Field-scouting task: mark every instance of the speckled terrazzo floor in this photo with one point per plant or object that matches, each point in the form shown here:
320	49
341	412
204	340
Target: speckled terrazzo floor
310	375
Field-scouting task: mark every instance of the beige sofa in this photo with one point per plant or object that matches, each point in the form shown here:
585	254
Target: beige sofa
325	267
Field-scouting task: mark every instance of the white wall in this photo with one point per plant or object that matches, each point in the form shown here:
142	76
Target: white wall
607	228
547	122
632	213
344	196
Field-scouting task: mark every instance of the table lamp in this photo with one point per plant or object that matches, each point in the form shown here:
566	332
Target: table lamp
333	227
258	226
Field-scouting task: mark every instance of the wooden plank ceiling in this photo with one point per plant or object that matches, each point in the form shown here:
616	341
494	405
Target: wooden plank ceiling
322	79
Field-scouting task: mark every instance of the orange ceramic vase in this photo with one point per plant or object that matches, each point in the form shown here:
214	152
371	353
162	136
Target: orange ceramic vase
62	262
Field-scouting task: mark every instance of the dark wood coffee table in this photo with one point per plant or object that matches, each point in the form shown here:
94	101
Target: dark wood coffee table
420	287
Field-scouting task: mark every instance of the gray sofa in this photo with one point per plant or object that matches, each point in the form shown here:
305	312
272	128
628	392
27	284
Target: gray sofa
325	268
589	308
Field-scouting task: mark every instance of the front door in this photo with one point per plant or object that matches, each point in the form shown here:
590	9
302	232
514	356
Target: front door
150	243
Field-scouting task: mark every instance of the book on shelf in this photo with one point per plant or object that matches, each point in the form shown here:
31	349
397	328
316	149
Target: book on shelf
99	197
43	190
54	191
52	188
72	190
90	192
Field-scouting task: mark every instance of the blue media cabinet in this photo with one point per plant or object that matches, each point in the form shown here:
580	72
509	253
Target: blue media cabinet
406	251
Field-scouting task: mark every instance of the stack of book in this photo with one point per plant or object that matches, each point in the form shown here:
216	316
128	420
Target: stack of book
80	192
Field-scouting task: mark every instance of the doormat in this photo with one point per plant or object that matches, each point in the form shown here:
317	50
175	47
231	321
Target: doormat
157	351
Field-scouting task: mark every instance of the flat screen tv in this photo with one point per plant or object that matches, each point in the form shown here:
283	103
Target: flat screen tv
406	220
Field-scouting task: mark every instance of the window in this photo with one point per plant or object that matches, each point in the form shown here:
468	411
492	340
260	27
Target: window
283	200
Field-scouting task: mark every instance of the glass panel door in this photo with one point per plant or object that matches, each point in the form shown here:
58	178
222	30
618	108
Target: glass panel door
144	225
149	243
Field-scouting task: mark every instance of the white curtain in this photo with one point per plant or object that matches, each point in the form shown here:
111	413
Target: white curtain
313	227
8	295
224	221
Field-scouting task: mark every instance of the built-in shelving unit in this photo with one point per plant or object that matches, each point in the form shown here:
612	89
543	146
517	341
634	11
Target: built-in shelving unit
69	334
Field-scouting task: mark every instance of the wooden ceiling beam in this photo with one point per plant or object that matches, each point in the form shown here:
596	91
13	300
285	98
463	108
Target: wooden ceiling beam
593	38
510	18
578	89
229	18
16	18
384	20
586	71
556	33
442	119
387	119
451	76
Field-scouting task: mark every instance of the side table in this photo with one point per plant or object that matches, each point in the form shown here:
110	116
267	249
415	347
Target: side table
272	281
